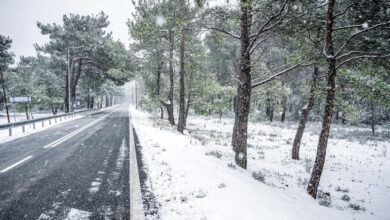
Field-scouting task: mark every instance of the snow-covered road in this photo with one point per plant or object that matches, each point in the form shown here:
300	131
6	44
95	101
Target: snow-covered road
78	170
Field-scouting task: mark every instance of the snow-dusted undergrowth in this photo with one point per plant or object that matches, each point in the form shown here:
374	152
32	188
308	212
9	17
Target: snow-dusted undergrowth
356	176
193	176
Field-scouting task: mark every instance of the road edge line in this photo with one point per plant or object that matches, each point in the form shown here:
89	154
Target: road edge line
15	164
136	204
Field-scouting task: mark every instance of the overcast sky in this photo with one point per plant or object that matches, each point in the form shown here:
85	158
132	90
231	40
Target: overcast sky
18	19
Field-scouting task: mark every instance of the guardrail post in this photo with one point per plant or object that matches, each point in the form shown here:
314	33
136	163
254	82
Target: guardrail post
33	125
55	120
10	131
49	121
23	129
43	124
60	118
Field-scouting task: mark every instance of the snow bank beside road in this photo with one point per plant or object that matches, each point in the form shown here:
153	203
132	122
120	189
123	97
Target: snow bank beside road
190	185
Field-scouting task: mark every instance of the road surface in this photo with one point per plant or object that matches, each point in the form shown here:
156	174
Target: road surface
77	170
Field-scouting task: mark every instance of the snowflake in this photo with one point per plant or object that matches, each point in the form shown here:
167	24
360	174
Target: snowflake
160	20
241	156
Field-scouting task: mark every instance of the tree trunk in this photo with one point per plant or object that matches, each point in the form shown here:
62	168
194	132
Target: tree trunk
268	107
161	112
5	96
182	102
372	118
73	83
327	118
304	116
26	108
169	107
92	102
271	113
187	109
54	109
66	98
284	106
239	136
158	83
234	103
88	101
107	101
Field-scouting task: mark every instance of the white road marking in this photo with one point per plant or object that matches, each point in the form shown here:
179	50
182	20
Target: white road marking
63	139
57	142
16	164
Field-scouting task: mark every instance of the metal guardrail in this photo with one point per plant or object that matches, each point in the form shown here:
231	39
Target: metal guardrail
10	126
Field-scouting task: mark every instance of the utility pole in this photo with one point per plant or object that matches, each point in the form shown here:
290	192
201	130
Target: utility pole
136	96
68	78
5	96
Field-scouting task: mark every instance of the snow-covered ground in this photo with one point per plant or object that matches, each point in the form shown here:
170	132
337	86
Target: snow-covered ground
193	176
16	117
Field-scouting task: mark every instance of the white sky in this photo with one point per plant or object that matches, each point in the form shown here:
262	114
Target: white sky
18	19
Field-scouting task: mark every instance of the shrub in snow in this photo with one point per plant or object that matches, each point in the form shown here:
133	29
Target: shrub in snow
200	194
232	165
184	199
216	154
339	189
346	197
251	145
259	176
273	135
325	202
356	207
308	165
222	185
325	199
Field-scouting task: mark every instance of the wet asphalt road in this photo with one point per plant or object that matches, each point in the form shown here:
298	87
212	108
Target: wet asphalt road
83	177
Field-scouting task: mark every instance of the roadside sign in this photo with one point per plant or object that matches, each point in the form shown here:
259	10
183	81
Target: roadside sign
20	99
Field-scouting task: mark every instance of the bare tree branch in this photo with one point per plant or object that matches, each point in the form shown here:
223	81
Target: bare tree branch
258	58
362	57
357	52
254	85
82	58
347	27
261	29
222	31
343	12
358	33
258	43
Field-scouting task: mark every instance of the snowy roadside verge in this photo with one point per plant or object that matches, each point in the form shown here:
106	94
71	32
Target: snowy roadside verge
190	185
